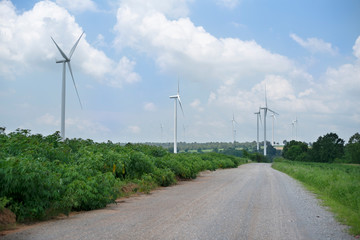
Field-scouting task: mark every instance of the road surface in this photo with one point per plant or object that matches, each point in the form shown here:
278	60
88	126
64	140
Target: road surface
253	201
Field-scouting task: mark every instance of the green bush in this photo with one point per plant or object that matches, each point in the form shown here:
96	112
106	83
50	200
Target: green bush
44	176
164	177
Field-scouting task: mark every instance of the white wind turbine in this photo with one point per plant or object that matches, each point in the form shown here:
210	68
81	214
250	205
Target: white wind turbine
258	118
176	97
265	113
67	60
273	120
233	127
294	124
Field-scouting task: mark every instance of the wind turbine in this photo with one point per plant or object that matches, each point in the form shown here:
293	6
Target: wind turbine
295	123
273	120
265	113
67	60
176	98
258	117
161	129
233	127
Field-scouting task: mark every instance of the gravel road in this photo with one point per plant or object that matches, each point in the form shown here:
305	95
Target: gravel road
253	201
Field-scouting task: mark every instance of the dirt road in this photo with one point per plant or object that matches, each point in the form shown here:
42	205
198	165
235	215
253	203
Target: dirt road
253	201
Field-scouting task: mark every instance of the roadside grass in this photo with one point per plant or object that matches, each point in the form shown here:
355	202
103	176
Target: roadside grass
337	185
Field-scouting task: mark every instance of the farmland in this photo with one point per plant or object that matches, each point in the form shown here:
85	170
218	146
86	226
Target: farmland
336	184
43	176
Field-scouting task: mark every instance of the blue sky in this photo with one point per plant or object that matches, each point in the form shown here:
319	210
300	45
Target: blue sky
223	52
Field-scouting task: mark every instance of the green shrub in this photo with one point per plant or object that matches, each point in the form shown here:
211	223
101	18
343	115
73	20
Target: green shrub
44	176
164	177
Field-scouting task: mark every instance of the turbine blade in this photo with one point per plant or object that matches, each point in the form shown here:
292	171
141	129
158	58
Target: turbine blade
61	52
272	111
75	45
72	76
181	105
265	97
178	92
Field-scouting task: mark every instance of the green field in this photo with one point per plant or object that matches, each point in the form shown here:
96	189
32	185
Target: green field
338	185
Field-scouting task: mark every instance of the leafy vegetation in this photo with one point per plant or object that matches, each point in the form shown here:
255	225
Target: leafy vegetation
328	148
337	184
42	176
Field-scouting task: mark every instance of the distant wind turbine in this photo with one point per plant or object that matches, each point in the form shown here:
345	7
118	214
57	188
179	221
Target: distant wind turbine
161	129
265	113
258	118
295	123
176	98
233	127
67	60
273	120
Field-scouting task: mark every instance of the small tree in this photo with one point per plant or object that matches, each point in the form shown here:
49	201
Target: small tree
352	149
327	148
296	151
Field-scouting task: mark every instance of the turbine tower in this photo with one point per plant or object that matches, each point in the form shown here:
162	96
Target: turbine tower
295	123
265	113
67	60
176	98
233	128
273	120
258	118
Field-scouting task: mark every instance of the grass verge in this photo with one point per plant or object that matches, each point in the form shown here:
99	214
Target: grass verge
337	185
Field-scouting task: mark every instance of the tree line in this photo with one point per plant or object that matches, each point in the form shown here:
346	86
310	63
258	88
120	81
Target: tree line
327	149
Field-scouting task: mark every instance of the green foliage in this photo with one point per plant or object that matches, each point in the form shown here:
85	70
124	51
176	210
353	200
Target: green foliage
337	184
296	151
352	149
44	176
327	148
3	202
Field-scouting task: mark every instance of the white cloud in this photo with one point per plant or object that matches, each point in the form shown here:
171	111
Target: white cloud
48	119
170	8
178	45
228	3
134	129
314	45
307	92
356	48
25	45
196	104
149	106
77	5
86	125
344	81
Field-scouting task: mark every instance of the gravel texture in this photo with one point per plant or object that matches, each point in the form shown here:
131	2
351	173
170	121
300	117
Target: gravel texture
253	201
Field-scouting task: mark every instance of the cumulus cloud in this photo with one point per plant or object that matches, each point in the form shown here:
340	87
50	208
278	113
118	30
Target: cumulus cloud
77	5
196	104
178	45
149	106
356	48
314	45
25	44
